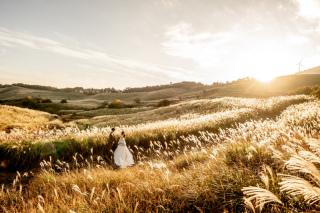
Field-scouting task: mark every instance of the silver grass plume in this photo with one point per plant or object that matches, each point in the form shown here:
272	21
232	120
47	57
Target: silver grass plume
296	186
262	196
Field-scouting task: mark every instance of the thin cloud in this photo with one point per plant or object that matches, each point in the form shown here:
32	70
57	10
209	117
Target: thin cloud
100	59
66	38
204	48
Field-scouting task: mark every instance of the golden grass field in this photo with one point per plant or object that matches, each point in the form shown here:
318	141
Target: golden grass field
222	155
15	117
182	111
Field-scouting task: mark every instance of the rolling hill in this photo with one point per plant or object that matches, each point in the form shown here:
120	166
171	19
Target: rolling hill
85	100
212	171
149	96
15	117
314	70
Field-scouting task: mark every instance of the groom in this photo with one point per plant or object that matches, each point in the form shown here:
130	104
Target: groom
112	143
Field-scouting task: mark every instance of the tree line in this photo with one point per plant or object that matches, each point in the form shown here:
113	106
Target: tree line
88	91
182	85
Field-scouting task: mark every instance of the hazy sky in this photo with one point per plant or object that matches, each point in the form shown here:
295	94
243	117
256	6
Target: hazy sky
131	43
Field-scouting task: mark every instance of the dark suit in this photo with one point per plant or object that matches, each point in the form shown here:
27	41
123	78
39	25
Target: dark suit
112	144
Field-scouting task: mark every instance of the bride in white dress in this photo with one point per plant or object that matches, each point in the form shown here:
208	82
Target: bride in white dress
122	155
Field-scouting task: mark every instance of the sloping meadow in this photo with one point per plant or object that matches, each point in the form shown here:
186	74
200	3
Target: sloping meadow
24	148
257	166
15	117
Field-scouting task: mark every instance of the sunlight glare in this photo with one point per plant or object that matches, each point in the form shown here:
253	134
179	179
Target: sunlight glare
268	61
265	78
309	8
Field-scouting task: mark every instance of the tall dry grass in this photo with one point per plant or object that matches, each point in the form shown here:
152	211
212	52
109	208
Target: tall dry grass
183	110
25	148
235	170
15	117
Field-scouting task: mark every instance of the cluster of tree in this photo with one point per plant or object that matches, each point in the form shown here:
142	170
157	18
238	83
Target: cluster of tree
42	104
239	80
307	90
183	85
88	91
29	101
37	87
5	85
92	91
164	103
118	104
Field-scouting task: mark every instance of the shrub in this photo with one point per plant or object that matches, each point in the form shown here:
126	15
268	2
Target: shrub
164	103
63	101
45	100
137	100
50	110
105	103
316	93
29	102
306	90
117	104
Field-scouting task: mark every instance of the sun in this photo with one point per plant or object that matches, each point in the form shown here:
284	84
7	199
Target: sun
265	62
265	77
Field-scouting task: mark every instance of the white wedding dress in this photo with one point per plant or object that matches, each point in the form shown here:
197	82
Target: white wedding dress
122	155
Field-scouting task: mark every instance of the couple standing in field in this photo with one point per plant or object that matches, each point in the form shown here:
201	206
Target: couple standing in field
122	155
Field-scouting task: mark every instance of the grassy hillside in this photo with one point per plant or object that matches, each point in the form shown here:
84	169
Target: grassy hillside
315	70
15	92
180	111
253	88
241	88
91	101
257	166
15	117
26	148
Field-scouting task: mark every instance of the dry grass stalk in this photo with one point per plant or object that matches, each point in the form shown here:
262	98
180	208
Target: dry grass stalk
262	196
296	186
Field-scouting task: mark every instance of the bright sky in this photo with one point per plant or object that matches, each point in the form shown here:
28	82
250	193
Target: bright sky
121	43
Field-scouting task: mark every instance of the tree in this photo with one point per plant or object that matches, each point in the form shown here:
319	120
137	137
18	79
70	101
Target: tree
117	103
45	100
64	101
137	100
29	102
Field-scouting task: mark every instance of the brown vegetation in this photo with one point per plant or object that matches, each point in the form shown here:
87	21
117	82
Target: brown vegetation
15	117
235	170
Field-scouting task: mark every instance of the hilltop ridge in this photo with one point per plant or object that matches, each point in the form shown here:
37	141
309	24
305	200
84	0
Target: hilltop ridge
314	70
79	97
